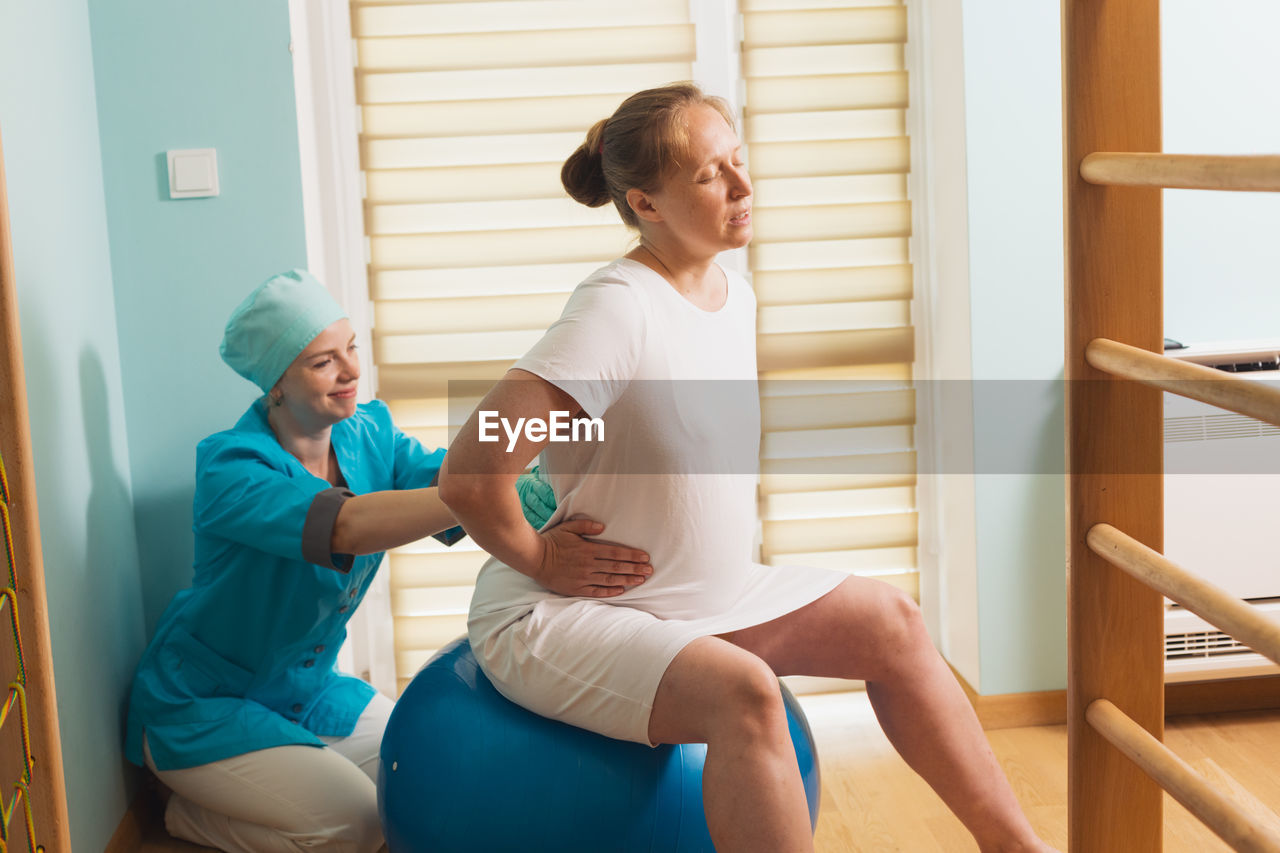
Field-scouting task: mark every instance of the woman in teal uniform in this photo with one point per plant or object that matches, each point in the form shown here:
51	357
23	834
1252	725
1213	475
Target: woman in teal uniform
236	704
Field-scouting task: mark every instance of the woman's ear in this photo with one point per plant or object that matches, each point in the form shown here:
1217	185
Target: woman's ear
640	202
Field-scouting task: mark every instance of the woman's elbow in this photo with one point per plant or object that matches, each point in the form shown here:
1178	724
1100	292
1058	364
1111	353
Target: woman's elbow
457	491
469	493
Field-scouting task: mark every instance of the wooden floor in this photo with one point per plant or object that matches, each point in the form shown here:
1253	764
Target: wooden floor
159	841
873	803
156	840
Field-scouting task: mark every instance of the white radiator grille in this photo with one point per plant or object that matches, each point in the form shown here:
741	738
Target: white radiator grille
1202	644
1214	427
1195	650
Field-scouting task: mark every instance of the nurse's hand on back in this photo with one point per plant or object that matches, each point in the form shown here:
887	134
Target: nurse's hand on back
238	692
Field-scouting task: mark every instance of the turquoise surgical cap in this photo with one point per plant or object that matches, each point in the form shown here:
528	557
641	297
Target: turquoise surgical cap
275	323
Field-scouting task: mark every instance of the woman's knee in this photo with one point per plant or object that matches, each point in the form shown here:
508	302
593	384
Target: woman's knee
352	830
713	690
364	834
357	831
751	701
899	628
339	814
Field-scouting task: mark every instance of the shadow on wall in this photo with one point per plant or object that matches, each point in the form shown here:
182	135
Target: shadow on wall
107	564
165	543
89	550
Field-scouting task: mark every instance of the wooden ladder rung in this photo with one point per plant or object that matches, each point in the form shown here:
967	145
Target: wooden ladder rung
1248	173
1257	399
1211	603
1220	779
1228	819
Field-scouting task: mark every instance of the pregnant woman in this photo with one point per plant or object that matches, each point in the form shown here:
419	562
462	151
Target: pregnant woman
660	346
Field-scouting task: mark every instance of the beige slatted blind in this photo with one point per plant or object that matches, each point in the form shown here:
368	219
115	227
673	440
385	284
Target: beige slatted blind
467	111
826	97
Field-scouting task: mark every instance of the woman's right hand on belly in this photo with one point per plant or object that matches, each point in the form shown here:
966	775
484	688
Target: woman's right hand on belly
575	565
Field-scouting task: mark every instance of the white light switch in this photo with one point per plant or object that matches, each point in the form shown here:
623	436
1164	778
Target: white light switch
193	173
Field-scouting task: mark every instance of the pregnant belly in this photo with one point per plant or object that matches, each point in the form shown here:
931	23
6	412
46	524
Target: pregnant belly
698	532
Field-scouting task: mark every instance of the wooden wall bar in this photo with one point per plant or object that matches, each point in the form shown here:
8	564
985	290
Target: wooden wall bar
1230	820
48	796
1230	391
1238	172
1211	603
1111	86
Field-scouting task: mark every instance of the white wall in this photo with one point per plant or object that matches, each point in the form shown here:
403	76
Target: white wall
993	279
1013	112
1221	96
1003	623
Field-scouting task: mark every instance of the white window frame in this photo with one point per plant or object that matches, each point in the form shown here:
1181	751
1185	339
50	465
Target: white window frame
938	188
718	28
332	205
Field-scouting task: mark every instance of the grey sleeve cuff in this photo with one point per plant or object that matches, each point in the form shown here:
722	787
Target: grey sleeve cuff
450	536
317	530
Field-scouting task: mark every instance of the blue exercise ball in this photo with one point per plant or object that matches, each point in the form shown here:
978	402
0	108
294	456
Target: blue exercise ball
465	769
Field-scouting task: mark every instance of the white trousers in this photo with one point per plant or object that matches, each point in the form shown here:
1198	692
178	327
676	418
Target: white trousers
289	799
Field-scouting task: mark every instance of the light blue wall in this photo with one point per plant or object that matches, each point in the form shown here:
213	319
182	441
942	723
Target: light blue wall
123	294
1222	255
1222	278
1014	143
190	75
54	167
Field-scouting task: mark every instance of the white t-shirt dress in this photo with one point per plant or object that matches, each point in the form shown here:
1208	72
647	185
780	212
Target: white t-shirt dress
675	475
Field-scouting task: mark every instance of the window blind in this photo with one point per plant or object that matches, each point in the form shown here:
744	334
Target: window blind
825	126
468	109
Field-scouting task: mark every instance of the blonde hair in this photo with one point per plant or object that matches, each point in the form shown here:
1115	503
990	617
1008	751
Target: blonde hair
636	147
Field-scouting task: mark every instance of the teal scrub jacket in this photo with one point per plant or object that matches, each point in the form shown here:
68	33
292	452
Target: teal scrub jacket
245	658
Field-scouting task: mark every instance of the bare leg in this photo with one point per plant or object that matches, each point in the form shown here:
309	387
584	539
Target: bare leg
869	630
718	694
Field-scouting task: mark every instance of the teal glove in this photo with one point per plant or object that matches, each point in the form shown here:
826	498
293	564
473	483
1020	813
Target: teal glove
537	498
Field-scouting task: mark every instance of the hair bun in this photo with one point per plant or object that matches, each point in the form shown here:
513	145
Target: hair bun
583	173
